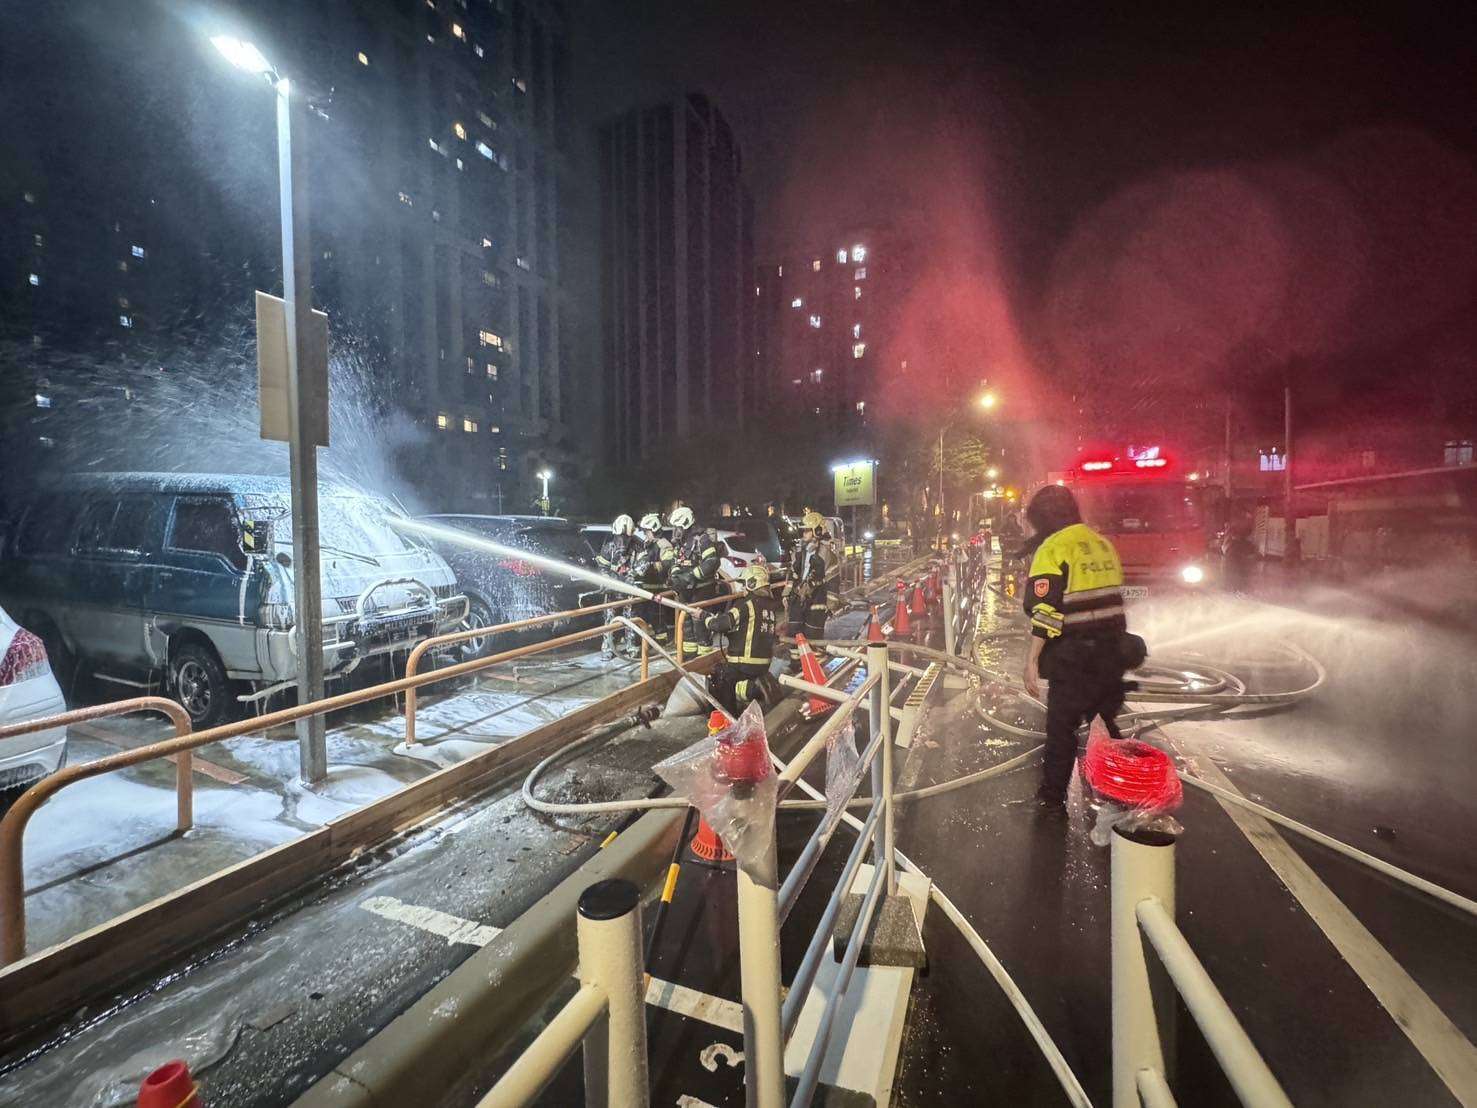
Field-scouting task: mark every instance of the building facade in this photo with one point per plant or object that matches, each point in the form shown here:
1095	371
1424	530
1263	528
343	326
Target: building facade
677	250
441	163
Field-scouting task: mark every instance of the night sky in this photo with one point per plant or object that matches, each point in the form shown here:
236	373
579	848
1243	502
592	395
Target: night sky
1177	194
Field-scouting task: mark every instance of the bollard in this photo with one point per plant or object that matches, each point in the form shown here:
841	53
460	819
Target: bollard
882	848
759	980
609	933
1143	1022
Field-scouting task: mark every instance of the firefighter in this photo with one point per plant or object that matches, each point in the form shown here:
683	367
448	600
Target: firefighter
616	558
694	576
749	622
650	569
1079	636
809	564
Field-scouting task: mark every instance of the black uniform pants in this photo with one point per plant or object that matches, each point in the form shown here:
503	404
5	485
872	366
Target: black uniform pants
694	634
1086	680
734	685
807	614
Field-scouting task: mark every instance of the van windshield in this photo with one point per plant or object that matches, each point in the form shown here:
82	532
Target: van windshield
352	524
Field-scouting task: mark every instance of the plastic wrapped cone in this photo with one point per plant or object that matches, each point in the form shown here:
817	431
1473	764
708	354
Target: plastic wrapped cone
707	845
169	1086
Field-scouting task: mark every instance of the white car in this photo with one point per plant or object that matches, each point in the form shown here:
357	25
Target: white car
27	691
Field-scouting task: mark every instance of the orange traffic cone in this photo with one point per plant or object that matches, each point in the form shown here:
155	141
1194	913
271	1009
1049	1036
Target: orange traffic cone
920	602
902	626
169	1086
874	628
810	669
706	844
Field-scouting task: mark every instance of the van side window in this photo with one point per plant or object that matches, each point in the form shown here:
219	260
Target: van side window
207	525
131	524
97	522
46	527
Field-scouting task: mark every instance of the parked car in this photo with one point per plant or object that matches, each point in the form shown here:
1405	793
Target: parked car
749	537
191	577
27	691
501	588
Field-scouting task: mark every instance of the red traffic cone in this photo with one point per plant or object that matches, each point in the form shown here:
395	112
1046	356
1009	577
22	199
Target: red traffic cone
810	669
920	602
707	845
169	1086
874	628
902	626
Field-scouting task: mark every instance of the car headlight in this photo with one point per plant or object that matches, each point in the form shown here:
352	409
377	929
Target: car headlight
1192	575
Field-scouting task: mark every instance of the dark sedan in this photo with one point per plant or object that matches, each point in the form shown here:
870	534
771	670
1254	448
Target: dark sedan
501	587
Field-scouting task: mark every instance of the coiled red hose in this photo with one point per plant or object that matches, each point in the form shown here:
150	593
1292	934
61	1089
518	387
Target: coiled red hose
1132	773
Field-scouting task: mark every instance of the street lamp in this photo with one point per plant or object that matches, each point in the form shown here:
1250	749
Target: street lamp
987	401
297	297
546	475
992	473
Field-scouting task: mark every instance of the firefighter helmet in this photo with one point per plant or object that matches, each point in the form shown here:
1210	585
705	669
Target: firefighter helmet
755	576
682	518
623	525
651	522
814	521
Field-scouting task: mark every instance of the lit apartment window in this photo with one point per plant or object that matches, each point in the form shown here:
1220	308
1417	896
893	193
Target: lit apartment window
779	271
522	263
459	165
35	278
478	51
494	430
502	457
42	400
431	39
856	292
122	267
861	273
139	252
486	121
363	58
123	303
486	151
486	243
470	363
443	421
431	4
436	146
459	131
520	84
125	321
816	375
856	330
858	253
405	199
489	338
489	278
435	216
39	240
796	381
861	405
756	290
456	29
491	372
797	303
815	266
29	197
858	349
469	425
815	321
841	256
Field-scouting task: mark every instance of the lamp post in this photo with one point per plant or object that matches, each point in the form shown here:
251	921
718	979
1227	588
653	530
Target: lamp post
297	296
545	476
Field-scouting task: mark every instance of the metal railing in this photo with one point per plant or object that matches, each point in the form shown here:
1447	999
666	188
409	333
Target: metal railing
13	825
607	1015
1142	908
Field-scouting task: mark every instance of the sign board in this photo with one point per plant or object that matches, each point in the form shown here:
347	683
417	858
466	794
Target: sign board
273	392
854	485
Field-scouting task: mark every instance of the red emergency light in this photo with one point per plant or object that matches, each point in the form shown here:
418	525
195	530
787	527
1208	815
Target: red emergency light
1101	466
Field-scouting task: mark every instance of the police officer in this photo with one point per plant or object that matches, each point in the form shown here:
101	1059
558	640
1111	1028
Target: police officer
695	574
749	622
650	569
809	564
616	558
1079	636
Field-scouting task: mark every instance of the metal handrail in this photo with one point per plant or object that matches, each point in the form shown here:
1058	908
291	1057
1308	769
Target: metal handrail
12	827
412	663
711	602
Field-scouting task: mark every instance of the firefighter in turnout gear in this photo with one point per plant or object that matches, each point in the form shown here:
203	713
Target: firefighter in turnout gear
650	568
1079	636
695	573
617	558
749	624
809	564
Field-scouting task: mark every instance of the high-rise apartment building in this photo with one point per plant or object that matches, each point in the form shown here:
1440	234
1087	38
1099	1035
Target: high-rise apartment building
440	158
677	251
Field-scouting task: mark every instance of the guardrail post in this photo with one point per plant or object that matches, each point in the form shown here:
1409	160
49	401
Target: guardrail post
951	606
1142	866
609	932
759	981
882	848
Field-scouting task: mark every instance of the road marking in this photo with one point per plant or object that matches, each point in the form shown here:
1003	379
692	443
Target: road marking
197	763
1443	1046
714	1010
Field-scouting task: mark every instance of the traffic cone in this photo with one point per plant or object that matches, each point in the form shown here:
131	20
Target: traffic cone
902	626
920	602
706	844
810	669
169	1086
874	628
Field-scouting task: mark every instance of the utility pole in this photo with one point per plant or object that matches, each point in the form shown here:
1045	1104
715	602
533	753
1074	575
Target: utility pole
302	449
1289	524
943	520
1226	460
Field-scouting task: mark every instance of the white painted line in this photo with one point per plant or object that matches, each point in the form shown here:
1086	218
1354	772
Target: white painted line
1443	1046
453	929
714	1010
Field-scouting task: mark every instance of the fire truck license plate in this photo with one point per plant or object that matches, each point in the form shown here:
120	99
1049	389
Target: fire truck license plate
1135	592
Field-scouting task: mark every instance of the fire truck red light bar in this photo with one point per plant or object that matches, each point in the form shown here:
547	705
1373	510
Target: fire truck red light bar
1093	467
1149	463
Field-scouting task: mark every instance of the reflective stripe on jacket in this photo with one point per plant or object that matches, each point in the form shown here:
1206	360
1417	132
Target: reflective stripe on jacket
1075	585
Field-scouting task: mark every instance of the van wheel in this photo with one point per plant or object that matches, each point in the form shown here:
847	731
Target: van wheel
199	683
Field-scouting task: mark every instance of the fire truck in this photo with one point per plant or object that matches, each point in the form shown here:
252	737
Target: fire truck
1151	511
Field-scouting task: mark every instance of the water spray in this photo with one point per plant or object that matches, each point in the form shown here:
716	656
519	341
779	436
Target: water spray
543	561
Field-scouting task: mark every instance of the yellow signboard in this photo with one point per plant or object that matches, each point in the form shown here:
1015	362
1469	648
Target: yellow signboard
854	485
